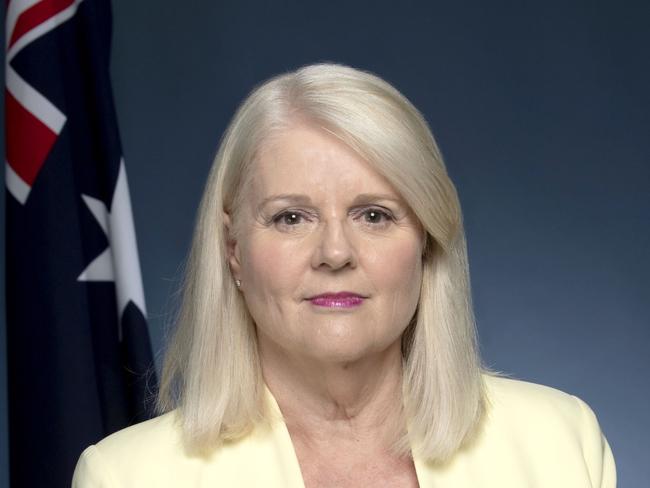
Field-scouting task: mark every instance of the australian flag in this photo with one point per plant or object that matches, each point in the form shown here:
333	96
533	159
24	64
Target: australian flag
79	358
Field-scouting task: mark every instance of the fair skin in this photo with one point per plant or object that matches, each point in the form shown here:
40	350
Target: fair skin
350	231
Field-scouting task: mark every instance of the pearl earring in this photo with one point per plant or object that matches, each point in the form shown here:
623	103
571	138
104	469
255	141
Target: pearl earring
238	283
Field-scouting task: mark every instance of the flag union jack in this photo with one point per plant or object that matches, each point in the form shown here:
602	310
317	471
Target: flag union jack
33	122
78	347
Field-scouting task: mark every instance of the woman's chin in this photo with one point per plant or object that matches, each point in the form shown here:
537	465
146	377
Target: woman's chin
343	352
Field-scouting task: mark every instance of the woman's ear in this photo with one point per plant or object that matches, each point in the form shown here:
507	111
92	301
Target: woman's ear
232	246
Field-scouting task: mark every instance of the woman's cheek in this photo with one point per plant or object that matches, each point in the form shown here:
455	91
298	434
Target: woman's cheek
272	265
400	264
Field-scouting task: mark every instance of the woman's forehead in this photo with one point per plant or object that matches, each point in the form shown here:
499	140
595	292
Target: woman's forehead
307	160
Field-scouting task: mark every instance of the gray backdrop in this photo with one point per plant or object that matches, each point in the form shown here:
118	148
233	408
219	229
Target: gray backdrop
541	110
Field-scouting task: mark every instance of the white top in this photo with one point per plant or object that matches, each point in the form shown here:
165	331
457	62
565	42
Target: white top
532	436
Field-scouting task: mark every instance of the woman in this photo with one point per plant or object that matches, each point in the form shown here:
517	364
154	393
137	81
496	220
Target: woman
326	335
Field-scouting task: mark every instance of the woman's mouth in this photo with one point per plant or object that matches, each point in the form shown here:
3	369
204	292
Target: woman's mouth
337	300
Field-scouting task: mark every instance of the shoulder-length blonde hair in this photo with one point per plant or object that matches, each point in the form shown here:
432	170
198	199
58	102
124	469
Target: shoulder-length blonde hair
211	370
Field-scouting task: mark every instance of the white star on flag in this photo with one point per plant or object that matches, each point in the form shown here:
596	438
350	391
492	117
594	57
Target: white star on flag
119	261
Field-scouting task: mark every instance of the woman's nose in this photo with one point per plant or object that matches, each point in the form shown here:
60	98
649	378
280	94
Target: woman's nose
334	248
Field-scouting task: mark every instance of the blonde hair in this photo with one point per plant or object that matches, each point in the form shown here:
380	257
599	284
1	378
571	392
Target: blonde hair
211	370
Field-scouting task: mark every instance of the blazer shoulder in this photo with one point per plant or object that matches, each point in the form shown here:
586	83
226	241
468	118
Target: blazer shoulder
127	453
150	435
547	416
514	394
152	454
530	406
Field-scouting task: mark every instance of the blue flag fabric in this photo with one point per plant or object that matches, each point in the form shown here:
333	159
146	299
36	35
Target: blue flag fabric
79	359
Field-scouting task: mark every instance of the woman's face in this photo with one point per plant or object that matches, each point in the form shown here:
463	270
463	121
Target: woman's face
319	220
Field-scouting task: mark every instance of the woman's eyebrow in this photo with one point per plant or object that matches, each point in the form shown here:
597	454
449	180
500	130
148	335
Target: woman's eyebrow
373	197
302	199
290	197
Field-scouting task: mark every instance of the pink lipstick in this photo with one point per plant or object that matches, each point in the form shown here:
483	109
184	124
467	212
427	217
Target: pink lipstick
337	300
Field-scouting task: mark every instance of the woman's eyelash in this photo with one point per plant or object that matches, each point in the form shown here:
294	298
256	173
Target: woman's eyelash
292	213
386	215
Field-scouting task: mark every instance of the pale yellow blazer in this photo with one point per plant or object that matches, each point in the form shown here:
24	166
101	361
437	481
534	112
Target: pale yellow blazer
532	436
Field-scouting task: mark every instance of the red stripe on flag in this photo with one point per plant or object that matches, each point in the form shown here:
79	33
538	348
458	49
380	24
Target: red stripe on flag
28	140
37	14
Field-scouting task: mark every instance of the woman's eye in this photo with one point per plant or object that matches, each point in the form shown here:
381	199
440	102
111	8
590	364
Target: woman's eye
373	217
288	218
376	216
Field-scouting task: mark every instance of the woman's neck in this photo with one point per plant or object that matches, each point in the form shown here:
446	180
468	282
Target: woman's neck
358	402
